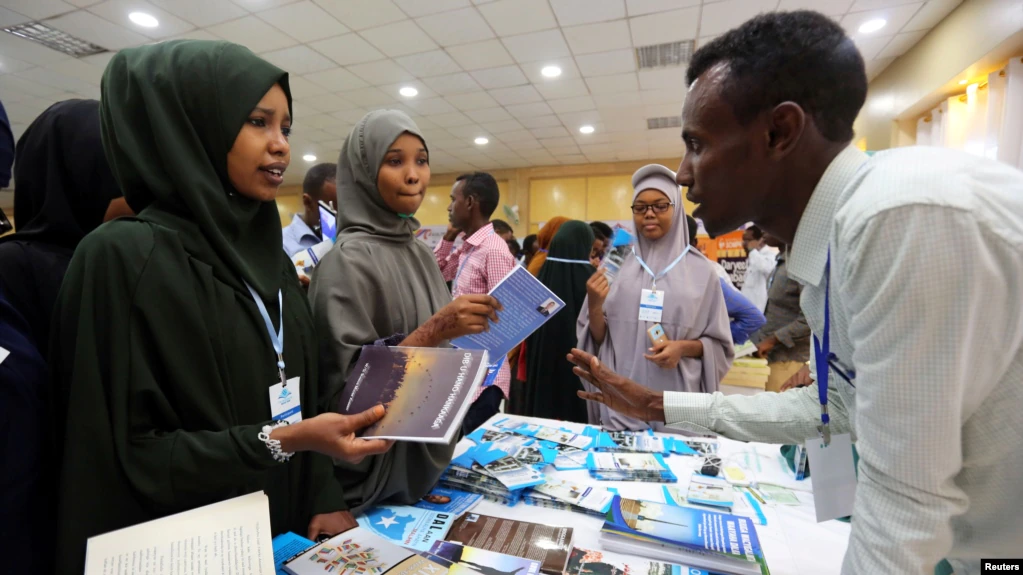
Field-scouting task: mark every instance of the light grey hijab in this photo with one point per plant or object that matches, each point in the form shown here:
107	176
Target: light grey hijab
694	309
377	281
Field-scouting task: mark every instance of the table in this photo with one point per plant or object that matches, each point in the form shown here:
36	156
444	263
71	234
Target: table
793	542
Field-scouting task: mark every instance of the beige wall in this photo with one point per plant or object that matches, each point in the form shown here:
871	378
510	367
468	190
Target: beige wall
975	39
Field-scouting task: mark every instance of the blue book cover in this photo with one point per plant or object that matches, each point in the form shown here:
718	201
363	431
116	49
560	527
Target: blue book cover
444	500
411	527
286	546
527	303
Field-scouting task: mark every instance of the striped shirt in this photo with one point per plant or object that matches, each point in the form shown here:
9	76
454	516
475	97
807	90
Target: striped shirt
476	267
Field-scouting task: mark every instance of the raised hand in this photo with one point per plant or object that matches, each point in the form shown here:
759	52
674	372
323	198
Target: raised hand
618	393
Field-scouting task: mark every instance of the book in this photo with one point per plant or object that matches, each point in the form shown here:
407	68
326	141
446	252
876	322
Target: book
707	490
526	305
629	467
587	562
449	501
703	538
547	544
427	391
745	505
411	527
632	441
286	546
591	498
359	552
202	540
464	560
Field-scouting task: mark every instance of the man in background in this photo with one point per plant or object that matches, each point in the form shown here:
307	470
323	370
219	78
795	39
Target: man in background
476	267
759	265
304	230
784	341
529	248
602	234
503	229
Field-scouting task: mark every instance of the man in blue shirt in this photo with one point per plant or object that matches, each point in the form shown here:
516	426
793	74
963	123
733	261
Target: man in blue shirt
304	230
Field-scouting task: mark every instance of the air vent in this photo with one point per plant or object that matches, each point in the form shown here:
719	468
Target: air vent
662	55
53	38
664	122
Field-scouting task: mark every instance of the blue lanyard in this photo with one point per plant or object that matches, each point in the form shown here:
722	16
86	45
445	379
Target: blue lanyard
665	270
468	254
565	261
276	338
825	360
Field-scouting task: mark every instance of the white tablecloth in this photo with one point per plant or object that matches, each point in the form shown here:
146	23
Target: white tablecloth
793	542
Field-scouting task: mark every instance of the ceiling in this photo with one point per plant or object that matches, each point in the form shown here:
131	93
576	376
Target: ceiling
475	63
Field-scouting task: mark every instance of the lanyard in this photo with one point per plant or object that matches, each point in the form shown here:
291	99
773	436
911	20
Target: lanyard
565	261
665	270
821	354
276	339
467	255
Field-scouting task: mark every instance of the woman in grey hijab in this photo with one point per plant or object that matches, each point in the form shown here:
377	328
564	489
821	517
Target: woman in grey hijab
379	285
612	325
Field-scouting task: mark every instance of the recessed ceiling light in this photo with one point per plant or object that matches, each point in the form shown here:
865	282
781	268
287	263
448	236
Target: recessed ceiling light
309	158
551	71
481	141
962	82
144	20
409	92
586	129
872	25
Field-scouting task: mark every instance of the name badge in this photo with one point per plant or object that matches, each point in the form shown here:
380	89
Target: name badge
834	477
286	401
651	304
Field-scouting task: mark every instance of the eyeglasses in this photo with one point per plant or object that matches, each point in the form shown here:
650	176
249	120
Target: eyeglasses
659	208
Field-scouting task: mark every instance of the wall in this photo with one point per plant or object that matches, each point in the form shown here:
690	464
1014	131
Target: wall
973	40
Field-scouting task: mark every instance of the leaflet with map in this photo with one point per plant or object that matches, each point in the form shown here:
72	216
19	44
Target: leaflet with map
411	527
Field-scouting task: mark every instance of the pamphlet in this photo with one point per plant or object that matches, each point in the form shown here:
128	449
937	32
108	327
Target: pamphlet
707	490
359	552
464	560
411	527
585	496
544	543
452	501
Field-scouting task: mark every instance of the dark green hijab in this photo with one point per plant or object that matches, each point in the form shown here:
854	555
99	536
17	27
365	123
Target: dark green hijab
170	113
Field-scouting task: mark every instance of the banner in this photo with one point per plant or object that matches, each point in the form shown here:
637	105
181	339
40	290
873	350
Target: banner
726	250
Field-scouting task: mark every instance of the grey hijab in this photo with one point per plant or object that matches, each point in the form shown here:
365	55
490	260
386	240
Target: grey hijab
377	281
694	309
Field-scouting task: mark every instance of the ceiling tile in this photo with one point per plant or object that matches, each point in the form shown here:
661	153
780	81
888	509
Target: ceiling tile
10	18
607	63
552	132
489	115
433	63
826	7
472	101
871	46
900	43
348	49
302	88
91	27
509	17
875	67
395	90
613	84
667	96
11	65
663	78
362	14
641	7
579	118
863	5
933	11
621	100
352	116
537	46
16	83
336	80
534	110
665	27
452	84
399	39
574	12
197	34
467	132
520	135
117	11
253	33
516	95
381	72
458	27
572	104
261	5
12	46
451	119
598	37
502	127
202	13
326	103
59	82
896	17
83	3
534	71
39	9
487	54
563	88
541	121
723	16
560	142
78	69
299	60
370	98
431	106
417	8
502	77
304	20
663	110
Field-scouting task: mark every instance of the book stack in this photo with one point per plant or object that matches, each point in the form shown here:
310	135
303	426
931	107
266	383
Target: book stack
633	442
587	562
548	544
570	496
475	479
646	467
748	372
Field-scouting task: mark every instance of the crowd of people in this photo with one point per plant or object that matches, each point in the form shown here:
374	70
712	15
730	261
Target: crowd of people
147	354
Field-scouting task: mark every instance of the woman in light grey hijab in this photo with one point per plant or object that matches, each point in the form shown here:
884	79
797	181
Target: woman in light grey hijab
699	350
380	285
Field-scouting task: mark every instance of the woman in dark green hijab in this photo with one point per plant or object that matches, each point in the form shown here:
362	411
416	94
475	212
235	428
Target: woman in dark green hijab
167	343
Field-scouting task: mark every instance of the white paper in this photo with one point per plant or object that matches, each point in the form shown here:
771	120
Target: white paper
3	354
227	538
651	304
834	477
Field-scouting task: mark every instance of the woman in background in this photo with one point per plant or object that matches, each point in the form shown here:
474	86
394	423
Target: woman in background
551	387
543	243
698	350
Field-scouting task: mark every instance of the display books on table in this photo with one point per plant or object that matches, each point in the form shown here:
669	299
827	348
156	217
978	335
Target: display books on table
631	441
474	479
411	527
629	467
427	391
463	560
286	546
547	544
702	538
359	552
526	304
545	433
451	501
744	505
587	497
707	490
587	562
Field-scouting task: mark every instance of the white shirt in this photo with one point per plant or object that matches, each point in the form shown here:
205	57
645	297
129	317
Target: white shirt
759	265
935	338
720	269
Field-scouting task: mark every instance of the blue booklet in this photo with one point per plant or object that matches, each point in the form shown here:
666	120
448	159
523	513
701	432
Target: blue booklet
527	303
286	546
452	501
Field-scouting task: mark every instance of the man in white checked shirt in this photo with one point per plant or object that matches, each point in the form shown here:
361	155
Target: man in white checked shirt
927	372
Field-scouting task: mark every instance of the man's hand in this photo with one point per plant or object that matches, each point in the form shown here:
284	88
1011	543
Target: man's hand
799	379
765	346
618	393
666	354
330	524
452	234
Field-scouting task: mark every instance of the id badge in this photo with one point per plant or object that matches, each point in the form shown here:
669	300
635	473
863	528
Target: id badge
286	402
651	304
834	477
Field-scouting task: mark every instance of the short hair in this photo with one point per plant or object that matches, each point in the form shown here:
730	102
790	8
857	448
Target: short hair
601	230
502	227
527	243
691	222
755	231
316	176
483	187
513	247
802	57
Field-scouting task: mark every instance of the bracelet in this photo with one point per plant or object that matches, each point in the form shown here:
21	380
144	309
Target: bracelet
274	445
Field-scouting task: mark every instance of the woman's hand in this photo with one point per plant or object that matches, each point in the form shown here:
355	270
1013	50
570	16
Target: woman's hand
333	435
597	288
466	315
667	354
330	524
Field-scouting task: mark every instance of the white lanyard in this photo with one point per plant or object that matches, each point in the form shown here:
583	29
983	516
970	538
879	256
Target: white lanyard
665	270
467	255
566	261
276	338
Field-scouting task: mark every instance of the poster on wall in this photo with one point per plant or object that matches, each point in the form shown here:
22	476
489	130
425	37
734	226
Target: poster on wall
432	235
725	249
